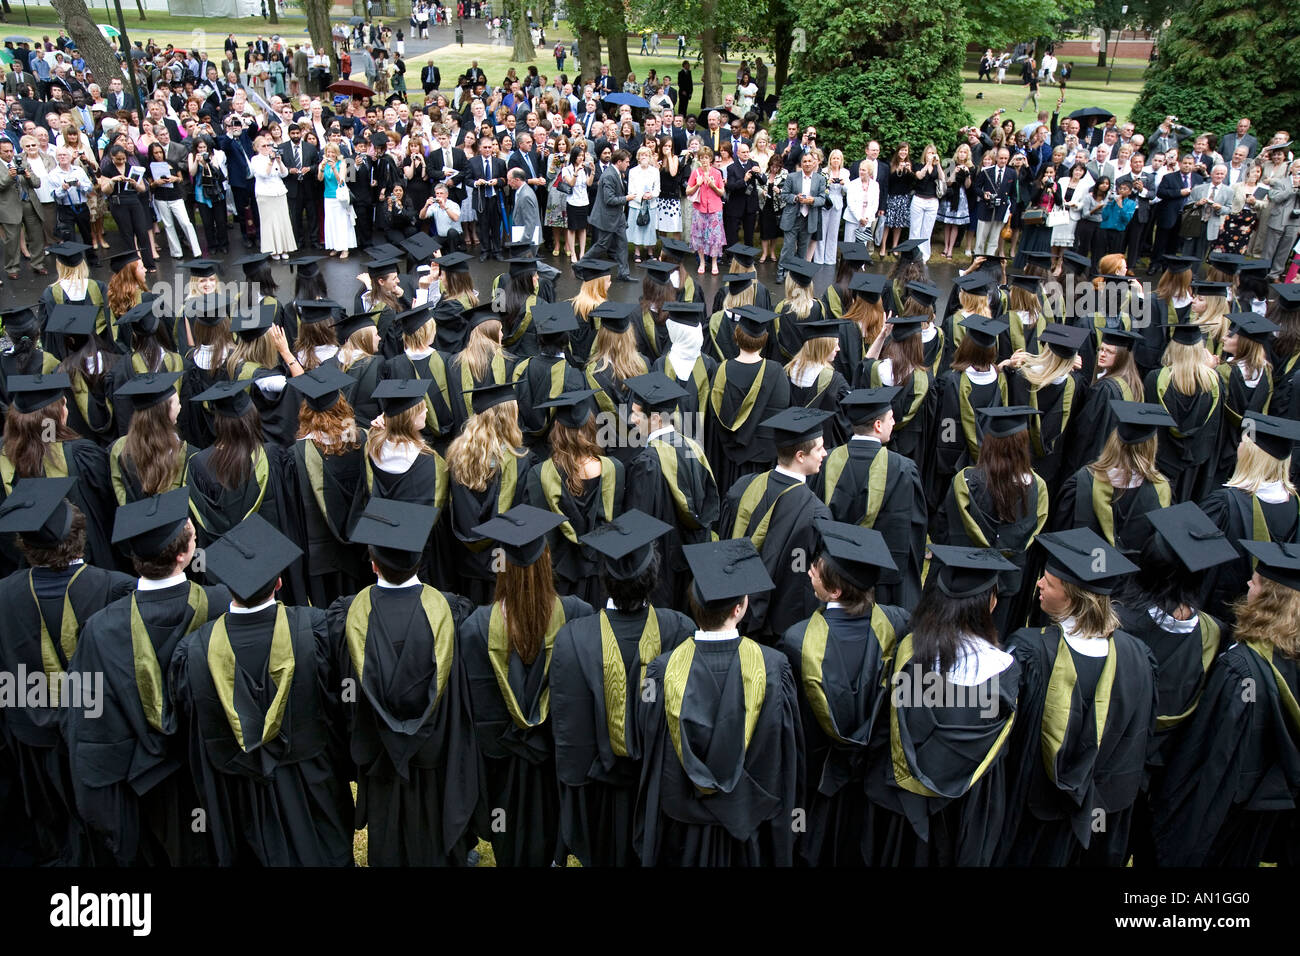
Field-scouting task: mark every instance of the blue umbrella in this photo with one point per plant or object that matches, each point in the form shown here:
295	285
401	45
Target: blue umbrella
629	99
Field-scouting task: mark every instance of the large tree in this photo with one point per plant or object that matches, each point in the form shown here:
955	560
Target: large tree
1224	59
996	23
880	72
524	51
586	17
92	45
318	24
711	22
614	28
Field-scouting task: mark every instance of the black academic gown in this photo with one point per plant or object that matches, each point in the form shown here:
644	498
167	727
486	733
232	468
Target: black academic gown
791	335
34	603
576	566
1243	516
279	410
957	439
776	512
92	494
127	486
969	519
886	495
720	338
322	492
938	772
741	398
129	368
595	687
90	411
216	509
425	482
409	728
274	782
651	335
195	419
696	383
540	378
365	373
1093	423
1238	399
438	425
1081	813
671	480
472	556
1187	453
511	708
617	437
915	409
1117	514
1058	404
838	664
726	797
129	763
1228	796
461	381
824	394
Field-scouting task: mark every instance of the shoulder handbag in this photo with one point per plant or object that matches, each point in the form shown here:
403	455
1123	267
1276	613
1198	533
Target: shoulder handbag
560	185
643	217
1058	217
940	183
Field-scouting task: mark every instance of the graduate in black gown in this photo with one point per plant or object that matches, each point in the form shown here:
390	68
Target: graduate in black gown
480	363
675	250
939	765
521	295
258	688
685	363
46	606
356	358
1084	717
864	483
1116	379
409	728
322	471
775	510
547	372
670	479
838	657
208	320
582	486
597	674
152	352
23	355
1002	504
1160	605
1247	378
263	356
507	647
798	307
1188	388
150	458
420	359
129	762
716	790
1229	792
742	261
896	358
1052	383
744	293
656	292
88	360
745	391
815	382
613	360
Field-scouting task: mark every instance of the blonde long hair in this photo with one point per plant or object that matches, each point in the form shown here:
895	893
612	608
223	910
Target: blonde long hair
1044	368
1214	320
814	354
1270	618
592	293
1256	468
361	343
477	454
260	351
400	429
1132	461
483	345
1191	374
617	351
799	299
1093	614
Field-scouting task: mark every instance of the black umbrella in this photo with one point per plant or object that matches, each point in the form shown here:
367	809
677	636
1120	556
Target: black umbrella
1091	112
356	21
727	114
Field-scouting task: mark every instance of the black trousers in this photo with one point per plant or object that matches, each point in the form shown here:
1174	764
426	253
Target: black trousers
1137	241
365	222
1166	242
734	226
303	207
215	231
68	218
133	222
1085	240
489	226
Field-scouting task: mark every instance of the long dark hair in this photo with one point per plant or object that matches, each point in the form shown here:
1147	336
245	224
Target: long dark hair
514	300
232	451
308	287
1004	461
1162	581
80	349
527	595
941	624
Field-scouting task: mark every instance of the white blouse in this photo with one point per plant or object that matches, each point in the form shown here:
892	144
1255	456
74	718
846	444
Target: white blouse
269	178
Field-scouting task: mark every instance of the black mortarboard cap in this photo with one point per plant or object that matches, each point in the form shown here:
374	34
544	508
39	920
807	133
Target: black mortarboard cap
685	313
1288	293
1085	559
378	268
1191	536
347	325
31	393
863	405
454	262
726	571
143	316
1043	258
202	268
742	253
1138	421
317	310
754	319
794	425
965	572
1277	562
856	553
923	292
1064	340
974	282
523	266
675	247
19	318
150	389
1003	421
1252	266
1029	283
1205	287
383	250
626	543
420	247
251	324
802	271
72	320
1077	263
250	262
905	326
617	316
208	309
573	409
37	509
1275	435
123	259
983	330
69	253
229	399
854	252
412	320
738	281
820	328
1253	325
587	269
910	250
487	396
869	285
250	556
1180	263
1120	337
322	385
396	530
659	270
396	395
150	524
554	318
306	265
479	314
655	392
1186	333
522	532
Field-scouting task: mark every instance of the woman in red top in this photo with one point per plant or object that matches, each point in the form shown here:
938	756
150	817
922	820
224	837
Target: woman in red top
705	189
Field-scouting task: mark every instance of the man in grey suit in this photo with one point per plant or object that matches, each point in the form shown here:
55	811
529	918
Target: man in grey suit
1240	137
1283	222
526	220
804	192
1215	201
609	215
18	208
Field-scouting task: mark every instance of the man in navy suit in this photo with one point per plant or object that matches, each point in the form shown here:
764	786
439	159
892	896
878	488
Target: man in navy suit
488	176
1173	192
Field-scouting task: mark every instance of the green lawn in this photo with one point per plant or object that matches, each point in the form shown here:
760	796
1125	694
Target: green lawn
1087	87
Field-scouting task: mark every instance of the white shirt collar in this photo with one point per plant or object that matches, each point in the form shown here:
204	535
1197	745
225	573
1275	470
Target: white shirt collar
1273	492
660	432
409	583
150	584
1087	646
977	661
728	635
397	458
986	377
866	438
928	333
236	609
1171	624
788	473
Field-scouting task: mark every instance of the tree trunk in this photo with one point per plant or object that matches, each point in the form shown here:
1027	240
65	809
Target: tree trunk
620	64
139	5
318	22
270	9
711	83
1105	45
781	47
588	54
92	45
524	51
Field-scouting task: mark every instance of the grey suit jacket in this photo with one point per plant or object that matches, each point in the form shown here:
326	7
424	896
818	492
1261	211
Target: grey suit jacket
1216	194
607	209
792	188
526	215
1281	199
11	206
1230	142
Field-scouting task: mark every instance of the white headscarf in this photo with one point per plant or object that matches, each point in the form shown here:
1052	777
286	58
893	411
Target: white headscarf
687	341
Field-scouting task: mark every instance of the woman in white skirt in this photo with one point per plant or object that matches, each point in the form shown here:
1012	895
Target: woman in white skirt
954	207
1072	192
837	183
339	233
272	200
643	193
670	189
